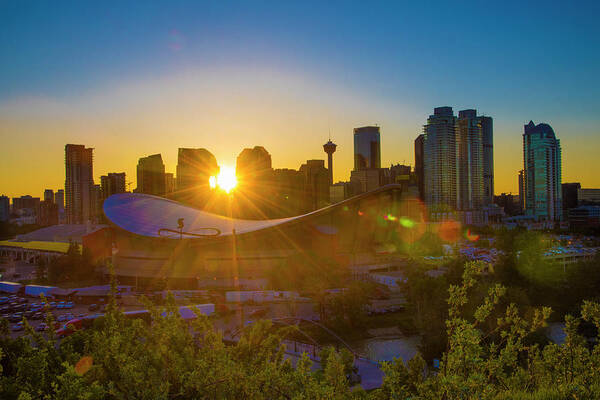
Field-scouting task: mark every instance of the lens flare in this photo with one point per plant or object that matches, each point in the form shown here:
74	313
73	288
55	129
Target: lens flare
84	365
391	217
407	222
212	181
473	237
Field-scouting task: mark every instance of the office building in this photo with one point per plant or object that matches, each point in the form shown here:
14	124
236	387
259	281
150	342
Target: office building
542	172
79	184
584	217
252	165
439	160
419	172
194	169
169	183
112	183
49	195
254	191
23	203
588	196
4	208
316	184
569	196
151	175
509	203
367	148
366	179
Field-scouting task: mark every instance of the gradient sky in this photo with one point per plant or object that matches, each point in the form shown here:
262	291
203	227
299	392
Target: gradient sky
136	78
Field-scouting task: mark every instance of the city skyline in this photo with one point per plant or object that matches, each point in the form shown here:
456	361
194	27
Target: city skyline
265	76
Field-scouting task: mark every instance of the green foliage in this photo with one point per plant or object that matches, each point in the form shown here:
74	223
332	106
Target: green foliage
72	266
489	354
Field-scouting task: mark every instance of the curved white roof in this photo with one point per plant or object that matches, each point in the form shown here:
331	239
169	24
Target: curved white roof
153	216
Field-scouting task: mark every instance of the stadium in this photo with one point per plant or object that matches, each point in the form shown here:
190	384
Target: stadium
159	239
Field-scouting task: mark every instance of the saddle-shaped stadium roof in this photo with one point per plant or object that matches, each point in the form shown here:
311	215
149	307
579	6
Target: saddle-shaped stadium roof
154	216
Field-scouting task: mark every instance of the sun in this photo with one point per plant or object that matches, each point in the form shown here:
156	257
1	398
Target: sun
226	179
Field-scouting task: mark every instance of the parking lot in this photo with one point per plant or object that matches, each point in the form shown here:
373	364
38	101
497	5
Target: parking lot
15	308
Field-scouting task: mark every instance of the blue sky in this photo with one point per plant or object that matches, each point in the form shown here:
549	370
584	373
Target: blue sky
514	61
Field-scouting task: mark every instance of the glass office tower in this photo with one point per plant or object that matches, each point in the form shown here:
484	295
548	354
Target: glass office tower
367	148
542	172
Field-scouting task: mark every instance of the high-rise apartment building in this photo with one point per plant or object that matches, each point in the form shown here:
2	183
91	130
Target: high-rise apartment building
487	132
458	171
542	176
419	173
79	184
469	141
367	148
439	160
151	175
4	208
112	183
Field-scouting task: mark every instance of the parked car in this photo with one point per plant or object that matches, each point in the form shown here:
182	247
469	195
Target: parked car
3	300
42	327
94	307
37	316
15	317
62	318
69	304
17	327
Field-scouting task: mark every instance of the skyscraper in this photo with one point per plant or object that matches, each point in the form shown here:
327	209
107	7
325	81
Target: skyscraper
569	196
419	141
79	184
487	131
112	183
4	208
59	199
255	191
169	183
252	164
469	140
194	169
316	184
542	176
49	195
151	175
367	148
439	159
